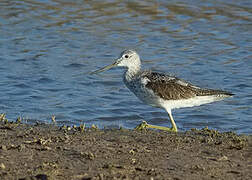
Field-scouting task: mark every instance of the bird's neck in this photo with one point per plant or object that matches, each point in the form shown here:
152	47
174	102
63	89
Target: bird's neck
131	72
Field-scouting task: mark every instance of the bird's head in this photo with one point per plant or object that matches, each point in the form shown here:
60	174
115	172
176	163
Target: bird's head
128	58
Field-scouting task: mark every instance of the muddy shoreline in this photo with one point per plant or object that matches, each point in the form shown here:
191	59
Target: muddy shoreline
50	152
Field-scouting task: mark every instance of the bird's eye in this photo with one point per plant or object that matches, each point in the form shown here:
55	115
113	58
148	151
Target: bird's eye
126	56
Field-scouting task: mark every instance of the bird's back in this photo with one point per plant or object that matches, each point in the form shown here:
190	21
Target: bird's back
173	88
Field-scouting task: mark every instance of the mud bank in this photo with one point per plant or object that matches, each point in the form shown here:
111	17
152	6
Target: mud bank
51	152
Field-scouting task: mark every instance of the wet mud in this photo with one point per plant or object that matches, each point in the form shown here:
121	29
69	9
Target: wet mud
50	152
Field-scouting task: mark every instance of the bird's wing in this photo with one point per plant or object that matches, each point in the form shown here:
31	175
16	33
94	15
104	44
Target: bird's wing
173	88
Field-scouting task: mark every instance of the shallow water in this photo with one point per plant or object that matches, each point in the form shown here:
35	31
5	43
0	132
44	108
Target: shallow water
48	47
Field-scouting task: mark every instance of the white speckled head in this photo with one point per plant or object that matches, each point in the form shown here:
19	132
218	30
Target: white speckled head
128	58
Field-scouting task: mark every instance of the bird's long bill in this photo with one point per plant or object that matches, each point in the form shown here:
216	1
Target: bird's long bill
104	68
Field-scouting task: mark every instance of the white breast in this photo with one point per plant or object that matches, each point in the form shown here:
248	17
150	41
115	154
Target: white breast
137	86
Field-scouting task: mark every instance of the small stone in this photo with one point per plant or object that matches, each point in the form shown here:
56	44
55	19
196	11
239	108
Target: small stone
223	158
133	161
4	148
2	166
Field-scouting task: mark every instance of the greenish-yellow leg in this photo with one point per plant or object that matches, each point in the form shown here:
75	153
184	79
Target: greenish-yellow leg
174	127
145	125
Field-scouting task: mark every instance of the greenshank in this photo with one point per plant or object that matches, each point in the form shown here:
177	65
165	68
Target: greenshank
161	90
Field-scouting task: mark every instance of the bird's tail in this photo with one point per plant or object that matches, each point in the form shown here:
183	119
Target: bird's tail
217	93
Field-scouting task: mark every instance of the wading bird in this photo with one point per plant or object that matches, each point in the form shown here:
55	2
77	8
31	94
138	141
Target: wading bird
161	90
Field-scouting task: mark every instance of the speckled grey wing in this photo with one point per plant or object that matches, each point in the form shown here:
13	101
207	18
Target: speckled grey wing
172	88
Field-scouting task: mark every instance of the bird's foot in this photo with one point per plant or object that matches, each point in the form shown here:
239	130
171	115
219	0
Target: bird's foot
144	125
174	129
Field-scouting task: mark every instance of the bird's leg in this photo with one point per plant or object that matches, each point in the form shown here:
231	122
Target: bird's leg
174	127
145	125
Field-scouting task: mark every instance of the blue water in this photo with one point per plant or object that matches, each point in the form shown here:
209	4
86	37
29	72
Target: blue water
48	47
